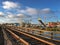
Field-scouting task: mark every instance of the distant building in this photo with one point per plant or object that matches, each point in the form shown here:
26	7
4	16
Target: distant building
53	24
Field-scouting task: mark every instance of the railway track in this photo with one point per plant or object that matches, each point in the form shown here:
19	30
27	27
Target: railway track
16	39
8	39
49	40
16	36
32	40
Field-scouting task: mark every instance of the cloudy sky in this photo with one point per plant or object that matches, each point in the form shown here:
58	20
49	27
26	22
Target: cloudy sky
18	10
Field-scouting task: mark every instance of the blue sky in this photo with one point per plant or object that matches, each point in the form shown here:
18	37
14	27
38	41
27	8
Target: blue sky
14	10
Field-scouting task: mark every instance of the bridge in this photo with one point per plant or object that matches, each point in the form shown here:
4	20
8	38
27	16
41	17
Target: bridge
13	35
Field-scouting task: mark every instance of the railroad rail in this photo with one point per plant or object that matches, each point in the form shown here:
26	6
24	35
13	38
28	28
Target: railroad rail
32	37
18	38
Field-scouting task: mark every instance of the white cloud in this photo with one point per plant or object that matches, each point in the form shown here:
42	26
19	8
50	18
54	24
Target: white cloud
22	11
1	13
21	15
15	16
9	13
10	16
31	11
46	11
9	5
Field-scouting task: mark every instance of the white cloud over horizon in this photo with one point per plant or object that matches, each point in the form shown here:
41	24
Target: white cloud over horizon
21	13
